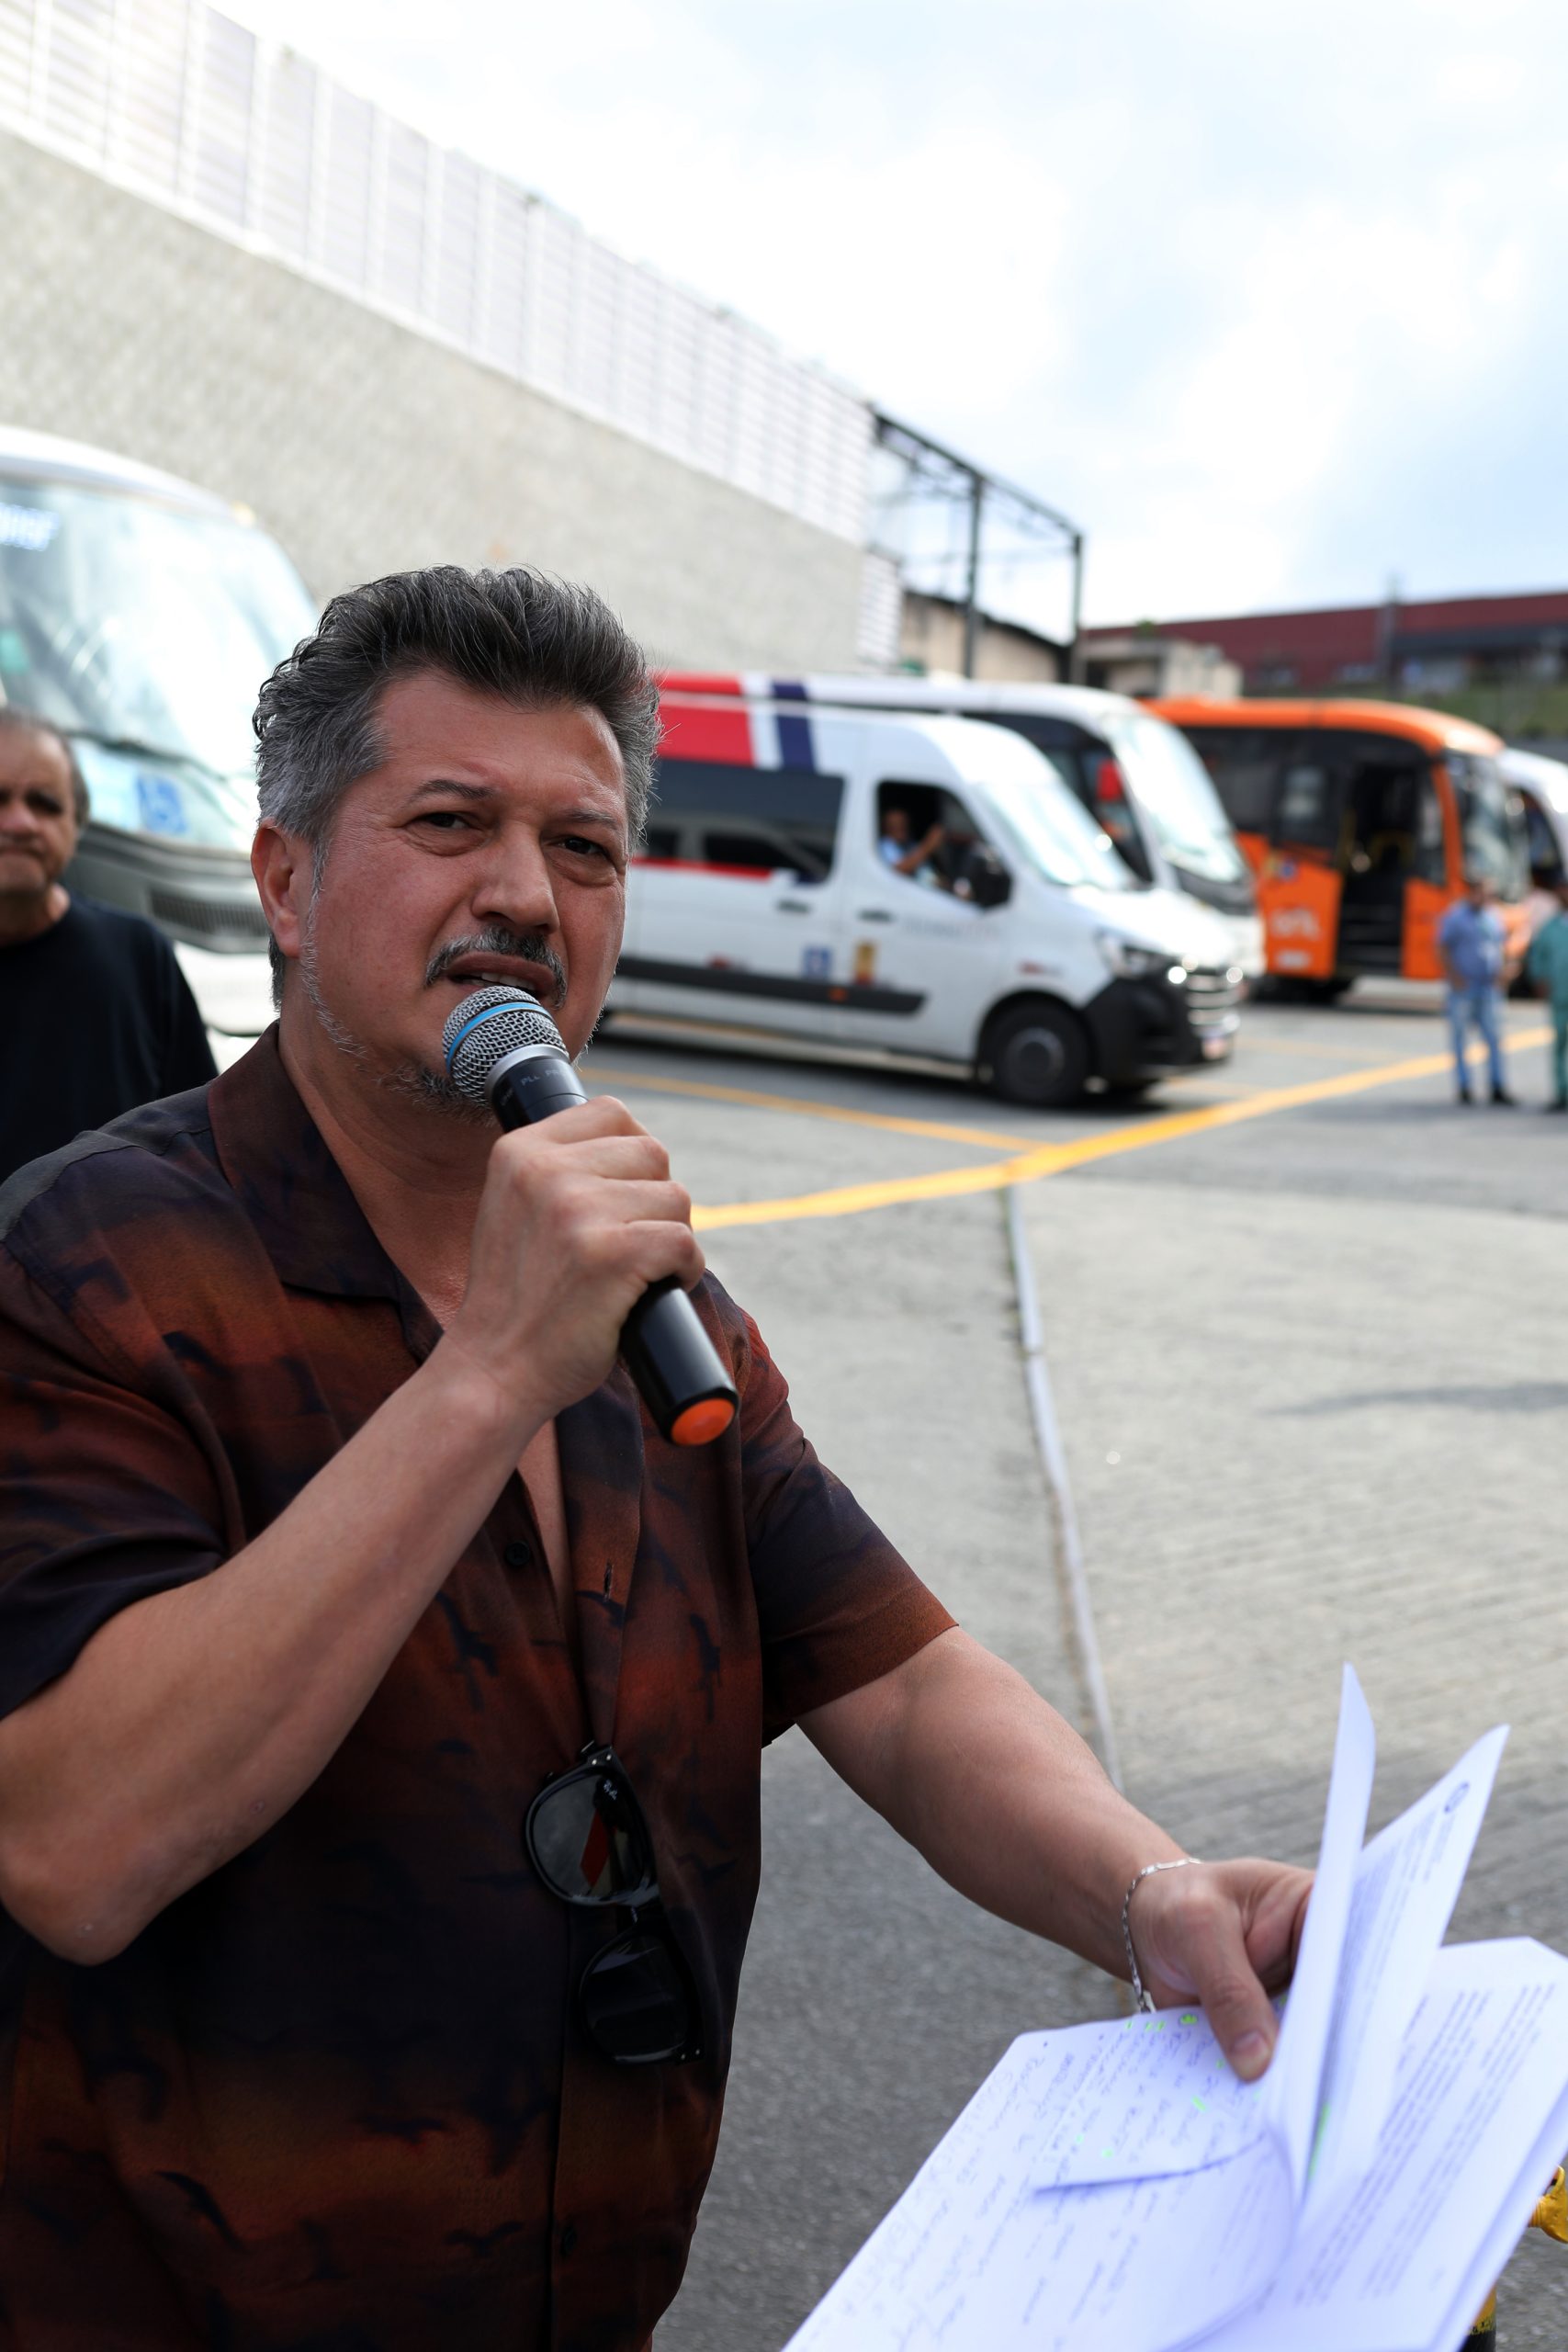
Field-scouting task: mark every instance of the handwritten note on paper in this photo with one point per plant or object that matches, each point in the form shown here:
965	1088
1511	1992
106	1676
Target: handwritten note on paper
973	2254
1139	2097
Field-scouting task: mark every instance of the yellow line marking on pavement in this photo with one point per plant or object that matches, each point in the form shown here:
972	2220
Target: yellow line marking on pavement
986	1138
1051	1159
1265	1045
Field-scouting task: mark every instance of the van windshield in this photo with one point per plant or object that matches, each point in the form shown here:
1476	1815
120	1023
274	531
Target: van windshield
1052	831
1176	796
144	630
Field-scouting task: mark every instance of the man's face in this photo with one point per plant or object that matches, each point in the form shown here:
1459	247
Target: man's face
895	826
38	817
1480	892
488	845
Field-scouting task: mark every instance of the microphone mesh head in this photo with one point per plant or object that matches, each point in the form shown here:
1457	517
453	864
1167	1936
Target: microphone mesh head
516	1019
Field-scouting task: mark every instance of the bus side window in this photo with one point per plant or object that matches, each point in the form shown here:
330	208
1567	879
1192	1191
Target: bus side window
1307	813
1431	851
1244	765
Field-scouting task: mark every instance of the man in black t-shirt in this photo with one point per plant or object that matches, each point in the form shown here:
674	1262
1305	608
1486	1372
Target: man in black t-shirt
95	1013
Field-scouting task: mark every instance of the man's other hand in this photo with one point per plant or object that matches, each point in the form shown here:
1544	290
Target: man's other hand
578	1216
1226	1935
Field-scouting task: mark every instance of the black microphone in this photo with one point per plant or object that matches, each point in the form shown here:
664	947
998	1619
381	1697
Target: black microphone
503	1048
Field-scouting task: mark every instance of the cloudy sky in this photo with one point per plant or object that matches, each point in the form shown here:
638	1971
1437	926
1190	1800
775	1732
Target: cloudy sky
1272	298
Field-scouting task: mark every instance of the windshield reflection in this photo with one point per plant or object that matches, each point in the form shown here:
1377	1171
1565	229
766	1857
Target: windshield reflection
1052	831
1176	797
145	629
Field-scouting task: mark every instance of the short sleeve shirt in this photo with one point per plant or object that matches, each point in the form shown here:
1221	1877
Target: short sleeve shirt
1473	939
335	2095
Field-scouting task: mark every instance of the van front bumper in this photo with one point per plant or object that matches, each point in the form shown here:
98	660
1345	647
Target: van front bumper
1139	1029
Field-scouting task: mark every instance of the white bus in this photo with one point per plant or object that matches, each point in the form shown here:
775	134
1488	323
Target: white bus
139	615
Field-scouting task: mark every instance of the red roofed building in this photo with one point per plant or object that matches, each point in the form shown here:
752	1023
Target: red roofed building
1434	647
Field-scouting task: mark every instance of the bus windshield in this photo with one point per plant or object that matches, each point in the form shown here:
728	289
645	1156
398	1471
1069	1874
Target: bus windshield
1176	796
144	630
1492	824
1052	831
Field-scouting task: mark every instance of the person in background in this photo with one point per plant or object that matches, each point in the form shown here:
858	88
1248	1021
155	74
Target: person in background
898	848
1548	968
1471	943
96	1016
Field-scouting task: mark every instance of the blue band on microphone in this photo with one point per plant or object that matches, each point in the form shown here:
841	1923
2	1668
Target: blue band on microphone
468	1027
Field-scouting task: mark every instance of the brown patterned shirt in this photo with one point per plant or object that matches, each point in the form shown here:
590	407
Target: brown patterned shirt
335	2097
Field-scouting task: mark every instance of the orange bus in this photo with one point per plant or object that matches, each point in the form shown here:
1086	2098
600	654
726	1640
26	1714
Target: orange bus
1361	821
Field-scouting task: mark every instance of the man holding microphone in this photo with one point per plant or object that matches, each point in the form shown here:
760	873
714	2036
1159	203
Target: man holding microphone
382	1696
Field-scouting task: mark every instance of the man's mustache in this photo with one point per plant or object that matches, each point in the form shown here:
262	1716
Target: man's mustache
526	947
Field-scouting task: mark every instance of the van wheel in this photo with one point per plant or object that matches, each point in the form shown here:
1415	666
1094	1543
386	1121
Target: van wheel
1036	1054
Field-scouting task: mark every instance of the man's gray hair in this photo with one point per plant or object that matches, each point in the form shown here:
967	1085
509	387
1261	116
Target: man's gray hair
534	640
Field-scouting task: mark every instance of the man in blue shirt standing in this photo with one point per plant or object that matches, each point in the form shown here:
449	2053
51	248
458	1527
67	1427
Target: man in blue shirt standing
1472	941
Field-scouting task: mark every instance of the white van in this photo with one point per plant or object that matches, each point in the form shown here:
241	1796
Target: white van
1020	946
1135	774
139	615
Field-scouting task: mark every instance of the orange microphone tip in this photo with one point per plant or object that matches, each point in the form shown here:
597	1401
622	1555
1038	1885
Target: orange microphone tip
701	1422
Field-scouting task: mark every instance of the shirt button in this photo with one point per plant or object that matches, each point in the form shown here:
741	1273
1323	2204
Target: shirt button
519	1555
569	2241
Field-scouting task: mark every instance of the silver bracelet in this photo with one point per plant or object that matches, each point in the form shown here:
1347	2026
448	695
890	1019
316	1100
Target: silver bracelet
1142	1998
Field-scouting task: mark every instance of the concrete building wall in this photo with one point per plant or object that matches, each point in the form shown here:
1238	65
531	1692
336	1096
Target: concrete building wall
367	446
1140	661
931	640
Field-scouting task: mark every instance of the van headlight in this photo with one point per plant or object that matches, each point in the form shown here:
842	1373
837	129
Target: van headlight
1130	962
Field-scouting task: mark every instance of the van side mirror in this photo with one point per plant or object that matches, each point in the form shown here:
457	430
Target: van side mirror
990	884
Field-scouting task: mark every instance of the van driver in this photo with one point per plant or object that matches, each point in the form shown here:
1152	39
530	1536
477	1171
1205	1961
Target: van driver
897	848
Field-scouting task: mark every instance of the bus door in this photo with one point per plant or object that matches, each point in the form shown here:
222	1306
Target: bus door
1390	852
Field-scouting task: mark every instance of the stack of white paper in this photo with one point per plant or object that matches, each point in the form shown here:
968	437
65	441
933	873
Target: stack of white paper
1116	2186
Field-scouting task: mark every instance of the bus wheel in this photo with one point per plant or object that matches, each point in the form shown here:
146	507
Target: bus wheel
1036	1054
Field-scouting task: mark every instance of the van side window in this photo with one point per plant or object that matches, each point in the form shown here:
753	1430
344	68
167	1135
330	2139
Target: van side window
709	813
927	837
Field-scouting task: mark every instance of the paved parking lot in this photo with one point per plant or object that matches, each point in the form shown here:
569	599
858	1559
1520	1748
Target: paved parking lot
1303	1319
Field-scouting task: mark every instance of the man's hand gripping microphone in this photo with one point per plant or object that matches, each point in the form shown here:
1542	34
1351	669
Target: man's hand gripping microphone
503	1048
